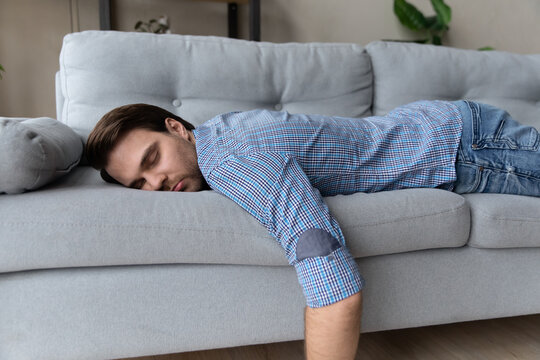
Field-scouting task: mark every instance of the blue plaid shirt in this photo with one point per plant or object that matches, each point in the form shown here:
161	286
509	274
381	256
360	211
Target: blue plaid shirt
278	166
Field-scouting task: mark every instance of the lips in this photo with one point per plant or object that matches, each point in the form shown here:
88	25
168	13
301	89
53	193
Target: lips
178	187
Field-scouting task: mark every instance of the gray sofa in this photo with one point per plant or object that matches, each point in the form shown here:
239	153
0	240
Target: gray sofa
90	270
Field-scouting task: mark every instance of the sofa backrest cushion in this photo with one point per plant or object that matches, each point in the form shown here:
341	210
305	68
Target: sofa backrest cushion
406	72
199	77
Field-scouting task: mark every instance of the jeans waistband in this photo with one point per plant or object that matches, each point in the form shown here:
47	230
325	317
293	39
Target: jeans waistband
468	110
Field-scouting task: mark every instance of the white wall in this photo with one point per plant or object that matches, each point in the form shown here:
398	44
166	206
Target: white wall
31	31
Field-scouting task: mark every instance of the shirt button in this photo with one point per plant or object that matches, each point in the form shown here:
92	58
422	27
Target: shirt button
176	103
278	107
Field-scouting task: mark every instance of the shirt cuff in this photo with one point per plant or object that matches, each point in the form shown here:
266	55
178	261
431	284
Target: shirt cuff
329	279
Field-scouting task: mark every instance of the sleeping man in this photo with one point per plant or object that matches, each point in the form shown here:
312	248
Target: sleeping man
279	166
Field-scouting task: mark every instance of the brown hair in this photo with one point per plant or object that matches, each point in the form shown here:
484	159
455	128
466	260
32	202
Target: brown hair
118	122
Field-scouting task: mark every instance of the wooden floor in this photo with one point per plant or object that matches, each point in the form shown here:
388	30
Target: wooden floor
500	339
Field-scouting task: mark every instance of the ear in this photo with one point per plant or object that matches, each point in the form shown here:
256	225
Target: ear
176	128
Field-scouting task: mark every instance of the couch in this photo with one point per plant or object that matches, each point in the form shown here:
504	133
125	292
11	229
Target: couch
92	270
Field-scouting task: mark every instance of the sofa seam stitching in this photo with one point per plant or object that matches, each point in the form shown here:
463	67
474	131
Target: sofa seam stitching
103	226
496	218
462	206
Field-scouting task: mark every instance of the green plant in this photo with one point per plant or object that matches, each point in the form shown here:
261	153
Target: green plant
433	26
160	26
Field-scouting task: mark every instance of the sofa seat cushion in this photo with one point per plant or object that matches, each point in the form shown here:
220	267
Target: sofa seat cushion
504	221
83	221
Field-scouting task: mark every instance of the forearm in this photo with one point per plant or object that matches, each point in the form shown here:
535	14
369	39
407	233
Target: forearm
332	332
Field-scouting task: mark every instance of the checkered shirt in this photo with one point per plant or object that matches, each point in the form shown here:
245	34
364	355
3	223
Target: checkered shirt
278	166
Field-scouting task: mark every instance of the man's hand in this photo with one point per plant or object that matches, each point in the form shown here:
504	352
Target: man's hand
332	332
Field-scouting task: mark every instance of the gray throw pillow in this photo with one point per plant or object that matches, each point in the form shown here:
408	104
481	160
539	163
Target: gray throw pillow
33	152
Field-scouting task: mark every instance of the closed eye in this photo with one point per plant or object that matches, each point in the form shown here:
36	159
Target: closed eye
155	158
152	161
149	159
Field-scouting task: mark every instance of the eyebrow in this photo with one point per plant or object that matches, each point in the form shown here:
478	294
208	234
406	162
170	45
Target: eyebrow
144	159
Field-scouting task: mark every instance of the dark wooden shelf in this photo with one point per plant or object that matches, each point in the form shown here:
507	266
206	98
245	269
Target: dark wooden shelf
254	16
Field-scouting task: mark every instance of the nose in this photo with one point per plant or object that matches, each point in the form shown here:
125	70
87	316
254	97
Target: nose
154	182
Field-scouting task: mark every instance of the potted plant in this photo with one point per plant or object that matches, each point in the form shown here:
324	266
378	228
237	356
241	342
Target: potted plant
160	26
433	26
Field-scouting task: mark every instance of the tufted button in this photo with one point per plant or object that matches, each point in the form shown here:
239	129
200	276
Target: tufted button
278	107
176	103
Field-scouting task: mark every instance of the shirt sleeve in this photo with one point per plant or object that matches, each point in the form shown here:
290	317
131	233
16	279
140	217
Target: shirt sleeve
274	189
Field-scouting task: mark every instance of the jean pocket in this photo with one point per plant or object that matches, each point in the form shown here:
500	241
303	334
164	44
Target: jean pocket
468	177
495	129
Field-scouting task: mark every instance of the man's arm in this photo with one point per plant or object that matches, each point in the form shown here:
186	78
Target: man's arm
274	189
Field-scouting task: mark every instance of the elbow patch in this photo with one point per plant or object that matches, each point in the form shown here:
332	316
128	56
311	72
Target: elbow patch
314	243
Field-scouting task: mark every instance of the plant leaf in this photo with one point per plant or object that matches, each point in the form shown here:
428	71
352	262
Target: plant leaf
431	22
409	15
444	13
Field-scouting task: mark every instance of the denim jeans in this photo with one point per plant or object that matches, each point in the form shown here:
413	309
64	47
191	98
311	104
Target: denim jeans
496	153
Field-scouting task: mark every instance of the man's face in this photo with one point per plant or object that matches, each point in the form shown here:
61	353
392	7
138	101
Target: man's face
150	160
